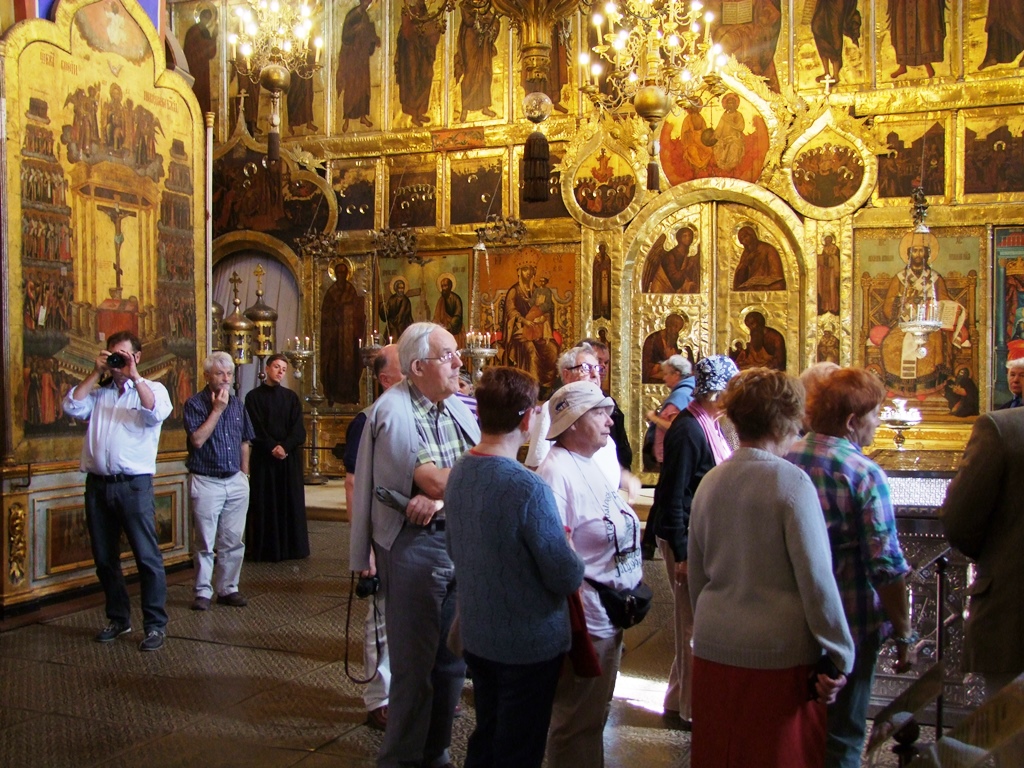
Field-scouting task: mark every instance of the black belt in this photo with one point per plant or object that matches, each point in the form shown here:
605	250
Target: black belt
217	475
434	526
120	477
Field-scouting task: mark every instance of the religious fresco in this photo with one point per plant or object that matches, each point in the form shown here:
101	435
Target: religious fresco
948	263
828	174
418	55
993	155
915	156
830	43
674	262
994	39
829	274
200	30
412	195
749	30
604	185
913	40
354	184
601	293
1008	304
527	299
663	342
434	287
727	138
762	345
107	190
342	326
357	77
476	188
67	533
278	199
481	50
759	264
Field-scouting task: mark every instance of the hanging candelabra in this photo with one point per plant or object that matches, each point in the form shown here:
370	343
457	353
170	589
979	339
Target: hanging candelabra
919	305
651	54
273	43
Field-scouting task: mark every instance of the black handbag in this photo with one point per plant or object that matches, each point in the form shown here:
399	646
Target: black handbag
625	607
650	462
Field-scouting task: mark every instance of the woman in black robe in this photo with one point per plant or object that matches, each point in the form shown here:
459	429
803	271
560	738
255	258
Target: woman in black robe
275	528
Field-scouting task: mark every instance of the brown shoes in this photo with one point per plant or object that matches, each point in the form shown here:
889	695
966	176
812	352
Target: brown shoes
235	600
201	604
378	718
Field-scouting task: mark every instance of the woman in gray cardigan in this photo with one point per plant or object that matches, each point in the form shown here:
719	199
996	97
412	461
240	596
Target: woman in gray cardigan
767	611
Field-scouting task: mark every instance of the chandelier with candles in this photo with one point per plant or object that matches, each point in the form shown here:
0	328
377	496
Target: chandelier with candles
652	54
271	44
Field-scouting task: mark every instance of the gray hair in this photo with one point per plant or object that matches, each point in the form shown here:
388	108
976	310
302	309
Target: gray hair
677	363
1014	364
414	344
219	359
568	359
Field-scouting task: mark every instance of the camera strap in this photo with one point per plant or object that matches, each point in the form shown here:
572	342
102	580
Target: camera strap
376	630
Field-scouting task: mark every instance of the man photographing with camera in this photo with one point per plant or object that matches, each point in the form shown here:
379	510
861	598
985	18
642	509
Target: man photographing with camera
125	412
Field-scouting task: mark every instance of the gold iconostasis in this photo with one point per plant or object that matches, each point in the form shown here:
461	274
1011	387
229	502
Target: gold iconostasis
801	165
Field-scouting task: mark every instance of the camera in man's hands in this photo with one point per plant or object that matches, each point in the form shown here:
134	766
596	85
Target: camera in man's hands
366	586
116	360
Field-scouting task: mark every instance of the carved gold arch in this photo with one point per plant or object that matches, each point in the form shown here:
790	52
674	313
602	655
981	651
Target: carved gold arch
715	313
831	125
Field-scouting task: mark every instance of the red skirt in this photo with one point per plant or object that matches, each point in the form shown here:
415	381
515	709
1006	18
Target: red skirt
755	718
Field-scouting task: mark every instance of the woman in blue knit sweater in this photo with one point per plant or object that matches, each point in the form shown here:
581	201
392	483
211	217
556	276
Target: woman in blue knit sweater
515	571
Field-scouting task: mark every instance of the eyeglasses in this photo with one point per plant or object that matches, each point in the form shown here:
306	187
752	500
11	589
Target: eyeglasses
587	368
534	408
446	358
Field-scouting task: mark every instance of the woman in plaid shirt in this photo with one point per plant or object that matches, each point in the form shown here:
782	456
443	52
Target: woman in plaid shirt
843	414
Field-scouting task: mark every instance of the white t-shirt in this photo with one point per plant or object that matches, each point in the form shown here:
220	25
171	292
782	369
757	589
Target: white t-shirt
606	457
604	530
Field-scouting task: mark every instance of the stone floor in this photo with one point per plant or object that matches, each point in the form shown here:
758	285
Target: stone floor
258	686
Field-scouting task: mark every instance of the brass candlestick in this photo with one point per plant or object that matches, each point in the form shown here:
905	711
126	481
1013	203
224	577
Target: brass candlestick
299	354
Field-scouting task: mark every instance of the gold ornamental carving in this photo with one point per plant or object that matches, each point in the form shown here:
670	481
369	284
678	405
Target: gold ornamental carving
17	543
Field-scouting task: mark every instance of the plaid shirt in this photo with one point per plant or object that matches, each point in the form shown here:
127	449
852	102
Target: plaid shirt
854	496
222	451
441	439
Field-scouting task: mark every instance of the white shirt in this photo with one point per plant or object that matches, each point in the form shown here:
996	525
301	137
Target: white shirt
605	531
606	457
123	437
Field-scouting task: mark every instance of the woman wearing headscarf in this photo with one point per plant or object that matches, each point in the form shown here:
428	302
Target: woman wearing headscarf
605	533
693	445
870	570
770	640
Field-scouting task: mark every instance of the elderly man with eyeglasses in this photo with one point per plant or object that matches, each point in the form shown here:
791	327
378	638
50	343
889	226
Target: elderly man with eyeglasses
581	364
413	435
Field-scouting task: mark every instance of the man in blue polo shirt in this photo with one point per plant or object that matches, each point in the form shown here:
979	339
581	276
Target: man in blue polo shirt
219	438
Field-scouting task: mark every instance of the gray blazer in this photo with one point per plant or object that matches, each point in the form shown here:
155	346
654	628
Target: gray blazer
983	516
387	458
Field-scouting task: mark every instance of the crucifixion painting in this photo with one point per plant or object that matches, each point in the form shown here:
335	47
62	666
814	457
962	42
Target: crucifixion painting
117	214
